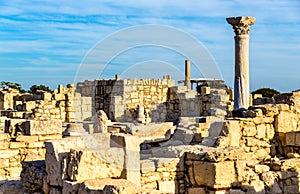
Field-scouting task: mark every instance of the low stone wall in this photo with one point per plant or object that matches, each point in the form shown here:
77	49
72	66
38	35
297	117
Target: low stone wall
63	104
26	146
120	98
163	174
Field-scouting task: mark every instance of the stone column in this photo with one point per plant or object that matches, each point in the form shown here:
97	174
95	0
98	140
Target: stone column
187	82
241	26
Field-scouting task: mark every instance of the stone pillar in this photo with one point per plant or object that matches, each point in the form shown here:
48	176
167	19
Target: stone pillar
187	82
141	114
241	26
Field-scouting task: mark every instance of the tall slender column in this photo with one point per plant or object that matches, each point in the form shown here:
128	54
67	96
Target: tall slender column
241	26
187	74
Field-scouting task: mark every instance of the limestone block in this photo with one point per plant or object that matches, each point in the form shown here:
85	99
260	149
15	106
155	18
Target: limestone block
212	174
34	127
35	154
169	164
4	144
270	180
27	138
297	139
147	166
225	154
234	132
290	138
56	154
16	145
167	186
196	190
261	168
262	153
95	164
8	153
270	131
29	105
261	131
249	131
132	155
101	122
285	122
291	164
37	144
257	186
253	142
49	137
97	140
4	136
287	138
4	163
14	172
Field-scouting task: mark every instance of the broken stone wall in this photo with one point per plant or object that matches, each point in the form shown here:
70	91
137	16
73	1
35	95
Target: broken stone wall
24	145
120	98
257	154
63	104
6	98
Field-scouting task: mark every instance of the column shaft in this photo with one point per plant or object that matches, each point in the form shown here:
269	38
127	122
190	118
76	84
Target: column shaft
241	79
187	74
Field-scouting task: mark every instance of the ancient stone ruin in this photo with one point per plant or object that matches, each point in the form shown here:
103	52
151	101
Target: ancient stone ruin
151	136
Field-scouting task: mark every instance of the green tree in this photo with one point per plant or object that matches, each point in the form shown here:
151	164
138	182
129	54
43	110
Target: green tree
16	86
266	92
33	89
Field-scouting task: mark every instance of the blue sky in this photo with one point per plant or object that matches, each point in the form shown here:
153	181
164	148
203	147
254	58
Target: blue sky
44	42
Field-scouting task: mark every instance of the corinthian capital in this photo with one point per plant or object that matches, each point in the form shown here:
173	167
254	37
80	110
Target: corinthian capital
241	25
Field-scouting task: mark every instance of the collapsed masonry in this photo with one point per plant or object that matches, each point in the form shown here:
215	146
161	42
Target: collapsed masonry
149	136
255	153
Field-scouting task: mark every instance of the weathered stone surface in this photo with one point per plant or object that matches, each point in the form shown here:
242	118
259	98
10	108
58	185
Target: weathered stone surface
108	186
34	127
132	155
101	122
286	121
167	186
96	140
147	166
257	186
234	132
27	138
261	168
249	131
212	174
168	164
220	154
291	164
270	180
153	132
95	164
196	190
56	155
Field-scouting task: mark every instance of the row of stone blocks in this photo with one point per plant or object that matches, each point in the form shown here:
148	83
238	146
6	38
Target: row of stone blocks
26	146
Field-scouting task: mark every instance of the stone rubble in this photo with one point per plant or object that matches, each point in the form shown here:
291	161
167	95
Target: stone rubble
150	136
